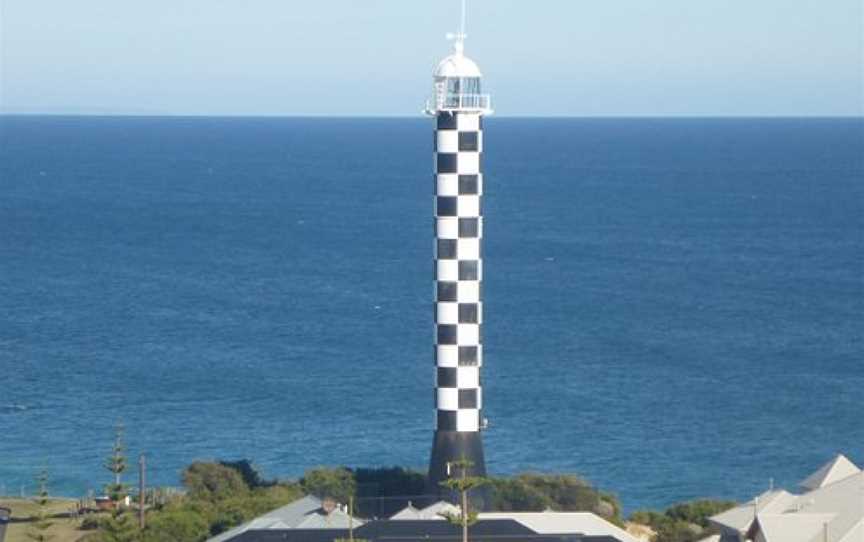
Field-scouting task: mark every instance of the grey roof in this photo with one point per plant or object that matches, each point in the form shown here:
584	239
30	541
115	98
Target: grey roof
434	511
409	512
430	529
291	535
304	514
549	522
741	518
837	501
421	531
777	527
835	470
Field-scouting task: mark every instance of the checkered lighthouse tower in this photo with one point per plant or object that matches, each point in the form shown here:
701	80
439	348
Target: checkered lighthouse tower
458	107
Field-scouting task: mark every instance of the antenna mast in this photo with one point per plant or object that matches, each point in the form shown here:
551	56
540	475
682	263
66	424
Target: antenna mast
459	38
464	18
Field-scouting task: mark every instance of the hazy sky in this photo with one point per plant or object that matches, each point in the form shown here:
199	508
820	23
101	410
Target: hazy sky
374	57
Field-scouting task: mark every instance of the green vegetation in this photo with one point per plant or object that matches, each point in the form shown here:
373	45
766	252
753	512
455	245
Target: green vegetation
561	492
221	495
218	496
685	522
462	484
338	484
116	464
373	484
63	528
40	522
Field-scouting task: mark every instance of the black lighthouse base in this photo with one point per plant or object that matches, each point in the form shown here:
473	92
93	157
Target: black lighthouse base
449	447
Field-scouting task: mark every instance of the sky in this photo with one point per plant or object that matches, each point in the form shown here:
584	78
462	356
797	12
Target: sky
375	57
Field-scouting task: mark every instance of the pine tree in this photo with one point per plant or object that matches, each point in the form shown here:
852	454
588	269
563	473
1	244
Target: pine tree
40	522
464	484
117	464
120	528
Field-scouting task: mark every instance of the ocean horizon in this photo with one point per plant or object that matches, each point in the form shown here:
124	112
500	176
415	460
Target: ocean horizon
673	306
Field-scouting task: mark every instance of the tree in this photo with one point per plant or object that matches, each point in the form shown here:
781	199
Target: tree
532	492
117	464
375	485
213	482
250	473
177	526
684	522
338	484
514	495
463	484
118	528
40	522
698	512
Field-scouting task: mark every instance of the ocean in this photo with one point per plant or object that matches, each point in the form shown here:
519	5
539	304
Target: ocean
674	308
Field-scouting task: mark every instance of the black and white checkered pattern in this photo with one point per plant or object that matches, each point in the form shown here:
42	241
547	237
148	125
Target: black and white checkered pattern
459	270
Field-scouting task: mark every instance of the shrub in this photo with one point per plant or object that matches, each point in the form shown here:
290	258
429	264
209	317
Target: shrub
213	481
177	526
338	484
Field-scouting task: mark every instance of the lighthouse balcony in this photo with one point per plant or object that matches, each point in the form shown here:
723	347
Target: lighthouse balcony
454	103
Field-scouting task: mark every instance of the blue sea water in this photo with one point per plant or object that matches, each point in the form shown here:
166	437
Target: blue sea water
674	308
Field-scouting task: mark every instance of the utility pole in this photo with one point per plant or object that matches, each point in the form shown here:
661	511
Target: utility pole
464	485
351	518
142	467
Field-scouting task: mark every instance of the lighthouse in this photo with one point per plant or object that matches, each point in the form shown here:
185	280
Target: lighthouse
457	107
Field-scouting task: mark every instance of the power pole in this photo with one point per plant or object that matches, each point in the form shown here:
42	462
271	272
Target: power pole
351	518
464	487
142	467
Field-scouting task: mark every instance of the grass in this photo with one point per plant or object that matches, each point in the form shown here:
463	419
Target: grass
64	528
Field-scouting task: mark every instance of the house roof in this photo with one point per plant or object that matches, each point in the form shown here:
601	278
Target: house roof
792	527
855	534
837	501
304	521
835	470
291	535
409	512
741	517
564	522
305	514
844	500
435	510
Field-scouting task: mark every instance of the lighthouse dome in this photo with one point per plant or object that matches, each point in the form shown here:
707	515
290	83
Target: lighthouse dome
457	65
457	85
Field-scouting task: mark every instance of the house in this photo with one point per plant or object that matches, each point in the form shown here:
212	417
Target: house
439	510
830	508
306	514
310	520
489	530
585	523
